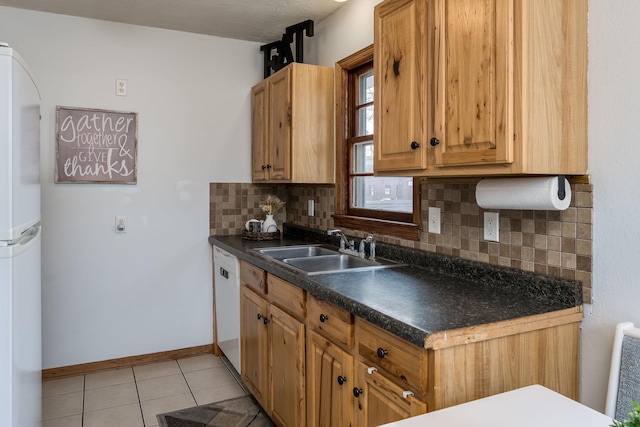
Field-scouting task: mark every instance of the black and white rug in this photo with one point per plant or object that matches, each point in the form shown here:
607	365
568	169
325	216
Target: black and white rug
236	412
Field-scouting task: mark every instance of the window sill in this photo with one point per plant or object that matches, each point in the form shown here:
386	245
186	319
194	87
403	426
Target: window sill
402	230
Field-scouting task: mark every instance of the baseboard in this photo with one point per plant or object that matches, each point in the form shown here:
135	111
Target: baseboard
124	362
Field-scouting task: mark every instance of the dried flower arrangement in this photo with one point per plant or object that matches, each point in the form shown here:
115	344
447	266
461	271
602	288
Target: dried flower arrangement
271	205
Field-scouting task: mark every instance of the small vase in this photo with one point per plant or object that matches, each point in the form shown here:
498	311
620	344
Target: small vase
269	225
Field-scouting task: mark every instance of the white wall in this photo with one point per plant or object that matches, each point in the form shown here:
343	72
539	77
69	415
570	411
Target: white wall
614	156
614	152
108	295
346	31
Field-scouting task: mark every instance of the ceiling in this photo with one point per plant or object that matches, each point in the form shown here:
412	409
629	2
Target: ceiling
261	21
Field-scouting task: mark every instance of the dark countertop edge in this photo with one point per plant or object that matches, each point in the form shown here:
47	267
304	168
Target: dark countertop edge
548	286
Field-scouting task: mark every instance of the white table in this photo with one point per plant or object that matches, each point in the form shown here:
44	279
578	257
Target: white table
532	406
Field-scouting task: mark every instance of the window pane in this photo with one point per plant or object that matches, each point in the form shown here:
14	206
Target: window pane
366	87
363	157
383	193
365	121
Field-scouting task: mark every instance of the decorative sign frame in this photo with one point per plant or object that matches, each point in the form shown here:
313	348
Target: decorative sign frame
96	146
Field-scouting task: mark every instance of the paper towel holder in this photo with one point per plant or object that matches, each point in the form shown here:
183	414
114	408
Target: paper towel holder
561	189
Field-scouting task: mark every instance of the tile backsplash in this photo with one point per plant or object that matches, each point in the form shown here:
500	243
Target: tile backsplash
557	243
231	205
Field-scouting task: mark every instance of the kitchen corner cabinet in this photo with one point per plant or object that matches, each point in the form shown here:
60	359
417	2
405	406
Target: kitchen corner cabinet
292	136
480	87
272	343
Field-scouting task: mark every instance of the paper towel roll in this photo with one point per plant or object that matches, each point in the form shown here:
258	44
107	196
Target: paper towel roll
522	194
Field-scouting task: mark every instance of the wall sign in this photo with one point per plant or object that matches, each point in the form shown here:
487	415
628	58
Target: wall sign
283	53
96	146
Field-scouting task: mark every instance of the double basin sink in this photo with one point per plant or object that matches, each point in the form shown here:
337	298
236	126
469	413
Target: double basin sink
322	259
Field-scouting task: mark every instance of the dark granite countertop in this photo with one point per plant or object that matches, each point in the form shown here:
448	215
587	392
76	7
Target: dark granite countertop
414	302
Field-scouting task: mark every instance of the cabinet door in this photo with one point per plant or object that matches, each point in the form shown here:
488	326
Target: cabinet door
259	131
474	82
253	344
400	98
280	126
287	402
380	401
329	383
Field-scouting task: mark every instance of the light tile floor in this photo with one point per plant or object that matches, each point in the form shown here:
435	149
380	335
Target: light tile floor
131	397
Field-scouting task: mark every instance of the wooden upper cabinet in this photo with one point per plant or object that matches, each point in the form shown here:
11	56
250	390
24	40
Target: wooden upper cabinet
292	126
503	91
279	154
400	97
259	130
473	82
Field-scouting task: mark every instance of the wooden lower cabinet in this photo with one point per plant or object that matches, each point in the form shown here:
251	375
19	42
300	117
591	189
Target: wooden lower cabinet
287	365
253	344
330	382
380	401
273	362
348	372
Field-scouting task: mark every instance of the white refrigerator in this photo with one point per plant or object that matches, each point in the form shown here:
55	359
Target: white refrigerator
20	277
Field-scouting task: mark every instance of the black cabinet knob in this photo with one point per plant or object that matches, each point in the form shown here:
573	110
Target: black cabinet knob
259	316
357	392
434	141
415	145
382	352
324	318
268	166
265	320
341	379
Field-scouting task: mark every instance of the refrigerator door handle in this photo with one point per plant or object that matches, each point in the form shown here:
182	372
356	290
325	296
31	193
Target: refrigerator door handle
23	243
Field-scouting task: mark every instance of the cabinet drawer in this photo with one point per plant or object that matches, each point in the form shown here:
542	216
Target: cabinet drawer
333	322
253	277
399	358
381	401
288	297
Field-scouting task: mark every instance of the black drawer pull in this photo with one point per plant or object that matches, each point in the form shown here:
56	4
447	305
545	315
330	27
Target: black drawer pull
382	352
341	379
324	318
357	392
434	142
415	145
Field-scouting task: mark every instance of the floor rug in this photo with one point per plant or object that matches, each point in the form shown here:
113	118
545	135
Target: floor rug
236	412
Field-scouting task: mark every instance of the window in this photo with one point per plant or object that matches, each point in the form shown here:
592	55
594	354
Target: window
386	205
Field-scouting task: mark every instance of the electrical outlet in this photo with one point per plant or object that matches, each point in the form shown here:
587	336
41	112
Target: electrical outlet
121	224
491	226
121	87
434	220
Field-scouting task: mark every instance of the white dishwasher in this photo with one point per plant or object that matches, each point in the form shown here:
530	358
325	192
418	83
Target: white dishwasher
227	299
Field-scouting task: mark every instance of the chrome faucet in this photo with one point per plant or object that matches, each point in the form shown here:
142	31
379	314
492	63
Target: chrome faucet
372	247
344	242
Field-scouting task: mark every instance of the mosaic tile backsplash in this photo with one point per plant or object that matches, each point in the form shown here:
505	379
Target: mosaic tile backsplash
557	243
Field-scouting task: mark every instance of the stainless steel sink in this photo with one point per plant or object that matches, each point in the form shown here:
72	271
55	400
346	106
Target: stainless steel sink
319	259
332	263
282	252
